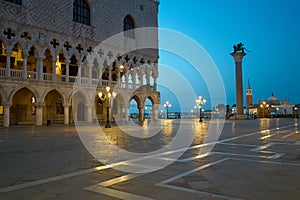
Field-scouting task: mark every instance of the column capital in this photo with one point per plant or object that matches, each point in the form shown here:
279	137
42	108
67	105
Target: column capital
39	104
156	106
238	56
6	104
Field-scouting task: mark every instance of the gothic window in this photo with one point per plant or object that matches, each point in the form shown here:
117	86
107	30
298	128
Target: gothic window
19	2
128	25
81	12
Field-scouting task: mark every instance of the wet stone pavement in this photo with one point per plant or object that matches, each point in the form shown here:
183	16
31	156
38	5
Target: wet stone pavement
168	159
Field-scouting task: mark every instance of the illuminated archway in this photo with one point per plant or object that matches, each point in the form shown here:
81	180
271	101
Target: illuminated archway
54	109
23	107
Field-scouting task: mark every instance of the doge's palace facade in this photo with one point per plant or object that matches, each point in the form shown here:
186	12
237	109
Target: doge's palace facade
56	57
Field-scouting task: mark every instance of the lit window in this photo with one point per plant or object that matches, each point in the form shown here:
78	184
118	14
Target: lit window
128	25
19	2
81	12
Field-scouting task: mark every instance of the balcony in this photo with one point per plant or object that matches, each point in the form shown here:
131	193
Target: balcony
16	74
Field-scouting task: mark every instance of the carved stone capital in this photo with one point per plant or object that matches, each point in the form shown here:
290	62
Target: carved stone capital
238	56
39	104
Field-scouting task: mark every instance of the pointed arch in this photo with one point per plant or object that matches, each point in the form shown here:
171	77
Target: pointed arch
28	87
54	107
23	107
78	102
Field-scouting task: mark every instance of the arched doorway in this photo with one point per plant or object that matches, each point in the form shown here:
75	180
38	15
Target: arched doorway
54	109
80	112
134	113
78	107
23	107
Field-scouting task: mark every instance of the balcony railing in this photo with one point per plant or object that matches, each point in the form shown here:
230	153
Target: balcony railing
48	77
84	81
2	72
16	73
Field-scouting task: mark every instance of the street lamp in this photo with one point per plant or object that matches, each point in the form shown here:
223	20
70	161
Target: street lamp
264	105
296	113
107	95
167	105
200	101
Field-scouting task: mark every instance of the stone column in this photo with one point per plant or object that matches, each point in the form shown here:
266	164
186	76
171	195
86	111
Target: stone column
238	57
79	73
66	114
126	80
39	114
39	68
6	116
119	78
155	108
100	76
54	60
141	113
68	69
155	75
140	77
126	107
90	68
133	78
25	55
110	72
8	52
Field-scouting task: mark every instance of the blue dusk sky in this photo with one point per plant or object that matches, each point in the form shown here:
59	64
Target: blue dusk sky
270	29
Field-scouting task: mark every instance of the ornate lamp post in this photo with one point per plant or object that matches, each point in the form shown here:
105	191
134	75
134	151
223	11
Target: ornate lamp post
167	105
264	105
107	96
200	101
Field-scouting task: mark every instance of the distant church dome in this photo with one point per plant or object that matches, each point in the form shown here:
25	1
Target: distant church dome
272	97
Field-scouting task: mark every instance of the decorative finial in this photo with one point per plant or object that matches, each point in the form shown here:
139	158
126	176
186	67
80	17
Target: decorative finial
249	86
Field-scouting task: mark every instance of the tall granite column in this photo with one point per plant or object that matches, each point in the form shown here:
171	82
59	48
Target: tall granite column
238	57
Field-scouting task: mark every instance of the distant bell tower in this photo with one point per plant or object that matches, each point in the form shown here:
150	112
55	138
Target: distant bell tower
249	94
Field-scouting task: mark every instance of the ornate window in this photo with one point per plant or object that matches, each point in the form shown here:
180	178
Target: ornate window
19	2
129	25
81	12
